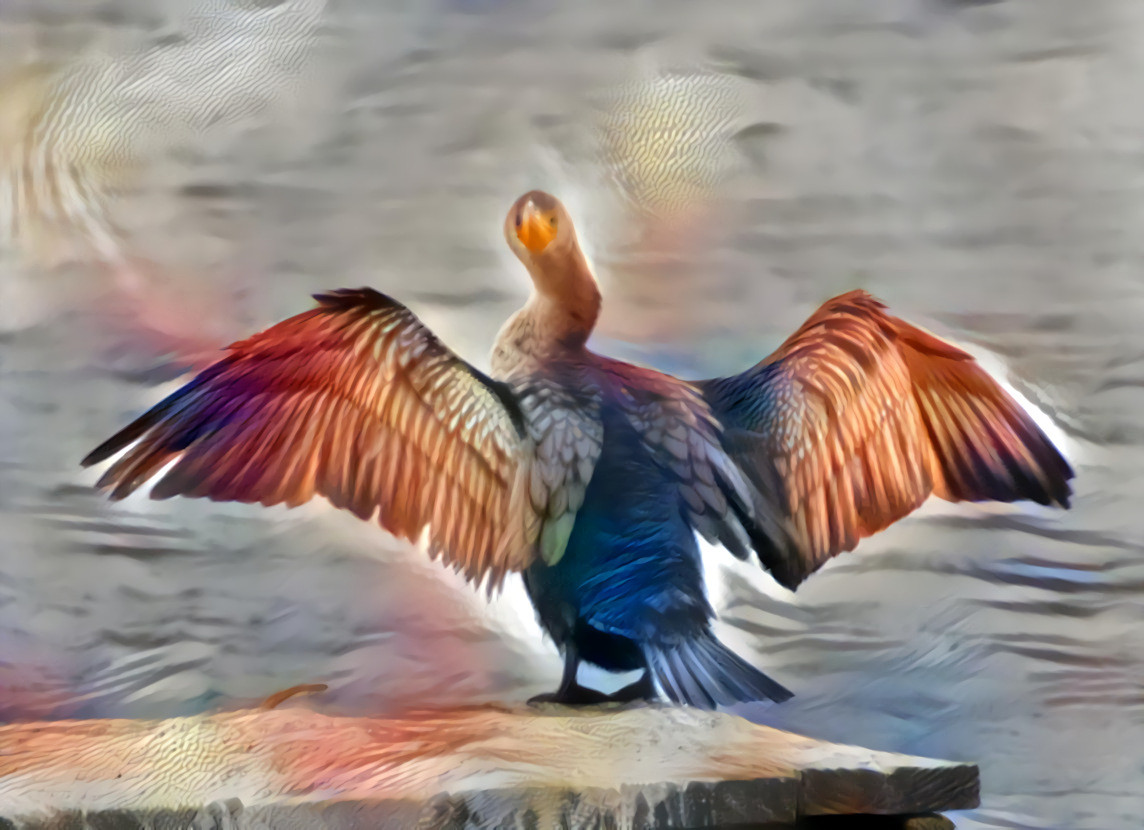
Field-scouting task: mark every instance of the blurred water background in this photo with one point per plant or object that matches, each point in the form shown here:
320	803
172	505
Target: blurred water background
978	166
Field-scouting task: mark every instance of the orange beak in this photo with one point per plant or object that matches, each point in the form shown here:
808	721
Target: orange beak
535	228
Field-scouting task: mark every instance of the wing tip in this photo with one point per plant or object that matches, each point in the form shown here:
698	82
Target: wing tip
117	489
100	453
789	578
117	442
1063	493
1055	473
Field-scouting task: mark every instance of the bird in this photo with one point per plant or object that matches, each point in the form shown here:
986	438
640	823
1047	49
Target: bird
591	477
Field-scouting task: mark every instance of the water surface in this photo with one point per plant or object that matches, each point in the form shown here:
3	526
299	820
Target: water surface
978	168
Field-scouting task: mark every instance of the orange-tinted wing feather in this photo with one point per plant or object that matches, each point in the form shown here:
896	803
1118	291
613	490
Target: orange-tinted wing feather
860	416
356	401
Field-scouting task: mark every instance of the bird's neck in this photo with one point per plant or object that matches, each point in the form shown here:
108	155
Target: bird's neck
554	324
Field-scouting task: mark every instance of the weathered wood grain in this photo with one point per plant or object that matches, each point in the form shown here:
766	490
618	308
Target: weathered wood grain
645	766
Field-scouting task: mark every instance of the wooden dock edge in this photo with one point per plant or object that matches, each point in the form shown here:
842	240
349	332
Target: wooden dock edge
638	767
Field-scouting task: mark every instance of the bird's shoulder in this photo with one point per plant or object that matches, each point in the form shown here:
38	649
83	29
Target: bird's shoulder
654	401
681	437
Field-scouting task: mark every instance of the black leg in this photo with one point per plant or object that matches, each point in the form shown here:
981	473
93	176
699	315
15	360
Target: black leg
571	666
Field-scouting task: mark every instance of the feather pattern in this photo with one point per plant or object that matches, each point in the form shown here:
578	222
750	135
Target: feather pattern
860	416
561	407
681	434
356	401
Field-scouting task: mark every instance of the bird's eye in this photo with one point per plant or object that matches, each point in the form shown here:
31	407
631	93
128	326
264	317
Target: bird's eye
518	220
552	221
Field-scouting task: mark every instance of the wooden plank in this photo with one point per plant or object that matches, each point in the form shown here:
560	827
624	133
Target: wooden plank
643	766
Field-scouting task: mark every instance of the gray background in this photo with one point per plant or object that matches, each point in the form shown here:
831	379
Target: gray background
978	167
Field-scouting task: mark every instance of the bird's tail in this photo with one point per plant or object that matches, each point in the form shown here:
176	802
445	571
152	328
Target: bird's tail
703	672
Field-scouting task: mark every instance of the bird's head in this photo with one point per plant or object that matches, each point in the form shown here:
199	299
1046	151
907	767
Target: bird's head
540	232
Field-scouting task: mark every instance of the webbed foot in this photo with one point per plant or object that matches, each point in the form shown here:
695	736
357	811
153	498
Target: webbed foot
642	689
575	695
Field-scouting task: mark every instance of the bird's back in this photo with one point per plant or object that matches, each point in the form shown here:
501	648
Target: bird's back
631	567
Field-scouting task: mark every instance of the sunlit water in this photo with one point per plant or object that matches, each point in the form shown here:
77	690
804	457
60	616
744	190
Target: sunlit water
977	168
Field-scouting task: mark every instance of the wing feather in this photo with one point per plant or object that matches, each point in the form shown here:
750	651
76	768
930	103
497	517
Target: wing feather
357	401
859	417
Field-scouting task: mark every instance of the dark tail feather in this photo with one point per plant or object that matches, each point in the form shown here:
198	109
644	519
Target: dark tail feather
703	672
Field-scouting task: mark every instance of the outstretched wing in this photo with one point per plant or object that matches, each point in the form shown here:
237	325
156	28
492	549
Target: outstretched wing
357	401
859	416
